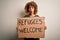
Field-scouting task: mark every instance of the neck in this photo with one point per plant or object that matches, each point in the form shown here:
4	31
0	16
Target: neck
32	14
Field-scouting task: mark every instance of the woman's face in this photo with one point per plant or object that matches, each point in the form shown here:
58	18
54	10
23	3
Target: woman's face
31	9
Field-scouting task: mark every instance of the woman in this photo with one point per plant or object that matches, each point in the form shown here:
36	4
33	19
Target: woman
31	10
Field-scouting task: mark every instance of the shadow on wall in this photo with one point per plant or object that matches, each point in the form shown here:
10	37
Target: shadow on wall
22	14
14	37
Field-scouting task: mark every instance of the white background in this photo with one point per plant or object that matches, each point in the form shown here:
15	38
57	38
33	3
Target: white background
10	9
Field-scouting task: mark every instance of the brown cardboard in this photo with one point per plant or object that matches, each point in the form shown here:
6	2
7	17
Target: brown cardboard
31	27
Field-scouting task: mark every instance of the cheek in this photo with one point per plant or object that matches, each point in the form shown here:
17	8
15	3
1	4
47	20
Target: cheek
32	9
29	9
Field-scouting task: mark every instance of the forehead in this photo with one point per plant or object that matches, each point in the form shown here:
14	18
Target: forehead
31	5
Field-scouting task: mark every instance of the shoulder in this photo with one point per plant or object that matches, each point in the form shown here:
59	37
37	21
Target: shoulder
37	16
26	16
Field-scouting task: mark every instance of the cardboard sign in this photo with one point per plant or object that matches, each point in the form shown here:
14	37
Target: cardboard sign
31	27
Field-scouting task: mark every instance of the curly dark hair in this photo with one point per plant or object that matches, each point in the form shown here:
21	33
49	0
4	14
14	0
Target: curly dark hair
32	4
